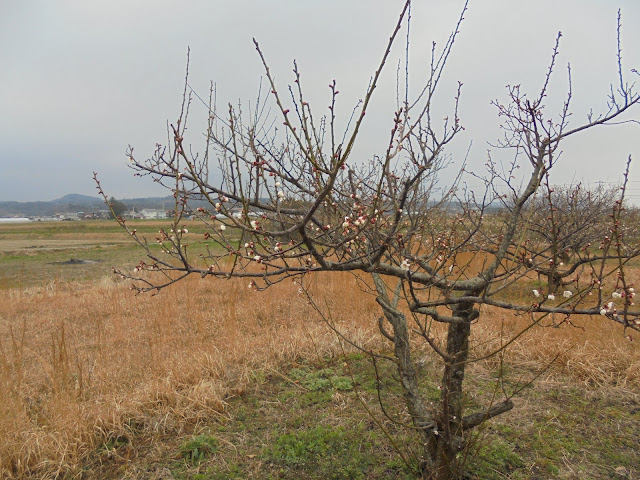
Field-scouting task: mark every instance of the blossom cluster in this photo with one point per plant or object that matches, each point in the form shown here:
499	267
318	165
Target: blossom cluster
551	296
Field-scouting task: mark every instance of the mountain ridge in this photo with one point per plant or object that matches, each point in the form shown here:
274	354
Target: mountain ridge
75	202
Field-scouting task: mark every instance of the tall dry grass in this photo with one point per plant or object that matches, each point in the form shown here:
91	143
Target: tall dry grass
83	364
591	350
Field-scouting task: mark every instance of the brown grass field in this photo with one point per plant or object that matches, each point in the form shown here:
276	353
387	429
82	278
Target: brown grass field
97	382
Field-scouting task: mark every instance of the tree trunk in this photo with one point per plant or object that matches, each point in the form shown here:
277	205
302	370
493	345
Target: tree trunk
451	437
416	404
554	281
441	438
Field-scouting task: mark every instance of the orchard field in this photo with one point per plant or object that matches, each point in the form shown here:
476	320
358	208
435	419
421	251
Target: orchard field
210	379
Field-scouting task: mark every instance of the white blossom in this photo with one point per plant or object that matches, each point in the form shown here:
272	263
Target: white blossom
536	293
551	296
616	295
406	265
567	294
603	312
223	227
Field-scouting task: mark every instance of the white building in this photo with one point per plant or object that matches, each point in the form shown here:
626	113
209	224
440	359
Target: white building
150	213
14	220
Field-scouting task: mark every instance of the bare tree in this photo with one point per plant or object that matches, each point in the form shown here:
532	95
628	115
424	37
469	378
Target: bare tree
564	226
293	200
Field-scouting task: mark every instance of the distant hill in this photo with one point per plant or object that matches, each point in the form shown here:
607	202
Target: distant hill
76	198
74	203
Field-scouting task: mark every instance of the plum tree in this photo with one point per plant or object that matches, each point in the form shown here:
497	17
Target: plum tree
293	201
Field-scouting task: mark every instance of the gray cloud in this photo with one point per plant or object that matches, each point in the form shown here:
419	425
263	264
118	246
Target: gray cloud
82	80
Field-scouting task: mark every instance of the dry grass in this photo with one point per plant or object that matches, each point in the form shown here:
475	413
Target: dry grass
82	364
592	350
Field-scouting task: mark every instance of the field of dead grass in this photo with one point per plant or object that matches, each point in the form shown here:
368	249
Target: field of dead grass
84	364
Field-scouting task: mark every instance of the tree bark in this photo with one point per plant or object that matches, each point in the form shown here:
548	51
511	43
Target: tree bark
421	417
451	437
441	437
416	404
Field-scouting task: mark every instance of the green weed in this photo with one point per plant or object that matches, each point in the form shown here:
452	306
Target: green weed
115	443
494	460
198	448
331	451
324	379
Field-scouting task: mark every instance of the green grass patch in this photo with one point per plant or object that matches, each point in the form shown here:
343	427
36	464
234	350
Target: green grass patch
324	379
496	460
195	450
332	452
37	253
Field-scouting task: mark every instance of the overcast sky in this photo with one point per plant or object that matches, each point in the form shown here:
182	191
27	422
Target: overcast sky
80	80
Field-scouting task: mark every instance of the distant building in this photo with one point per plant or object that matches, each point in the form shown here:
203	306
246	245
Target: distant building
66	216
132	214
146	214
100	214
14	220
151	213
239	213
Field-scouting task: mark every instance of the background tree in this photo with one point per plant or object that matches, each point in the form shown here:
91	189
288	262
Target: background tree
116	207
294	202
561	225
